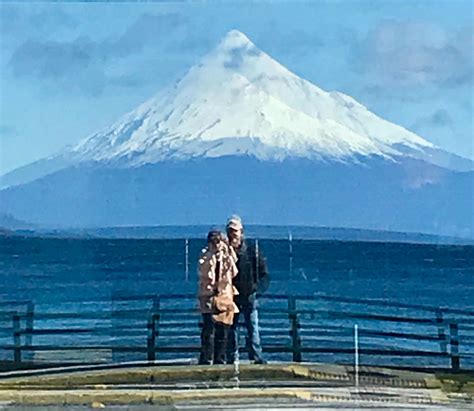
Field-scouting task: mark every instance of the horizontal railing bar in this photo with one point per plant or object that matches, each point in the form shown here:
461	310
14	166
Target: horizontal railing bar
107	315
368	301
51	331
178	341
189	322
350	330
303	348
283	320
174	349
382	334
127	348
8	314
143	297
178	333
20	302
370	351
343	315
317	314
178	311
333	333
408	336
153	296
195	331
92	332
267	348
176	325
315	297
170	312
283	311
268	333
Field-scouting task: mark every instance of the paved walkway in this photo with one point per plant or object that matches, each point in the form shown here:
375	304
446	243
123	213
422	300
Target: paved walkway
266	387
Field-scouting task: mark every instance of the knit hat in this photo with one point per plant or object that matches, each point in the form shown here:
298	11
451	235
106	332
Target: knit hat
234	222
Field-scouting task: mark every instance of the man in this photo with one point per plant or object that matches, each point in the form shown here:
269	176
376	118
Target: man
252	276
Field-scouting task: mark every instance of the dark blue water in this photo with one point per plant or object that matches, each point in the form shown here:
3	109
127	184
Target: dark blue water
52	271
92	276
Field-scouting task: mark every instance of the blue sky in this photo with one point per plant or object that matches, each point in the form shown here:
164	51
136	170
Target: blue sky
69	69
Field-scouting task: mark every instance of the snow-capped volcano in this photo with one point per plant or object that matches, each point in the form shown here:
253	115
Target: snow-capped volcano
238	100
286	152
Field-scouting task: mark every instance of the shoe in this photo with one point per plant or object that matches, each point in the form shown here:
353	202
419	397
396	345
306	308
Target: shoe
219	362
260	361
204	362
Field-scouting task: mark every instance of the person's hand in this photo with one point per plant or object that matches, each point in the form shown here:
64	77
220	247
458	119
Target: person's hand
222	304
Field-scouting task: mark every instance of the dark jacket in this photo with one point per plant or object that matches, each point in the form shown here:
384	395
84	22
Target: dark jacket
252	273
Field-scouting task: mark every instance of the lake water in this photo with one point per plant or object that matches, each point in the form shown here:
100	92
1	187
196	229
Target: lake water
74	275
55	270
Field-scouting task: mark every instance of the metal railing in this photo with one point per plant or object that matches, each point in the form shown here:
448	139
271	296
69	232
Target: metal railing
295	328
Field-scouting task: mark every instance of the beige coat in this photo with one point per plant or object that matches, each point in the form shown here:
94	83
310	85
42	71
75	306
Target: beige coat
217	297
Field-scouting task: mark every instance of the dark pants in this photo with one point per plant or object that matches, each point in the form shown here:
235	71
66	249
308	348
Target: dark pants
247	308
213	341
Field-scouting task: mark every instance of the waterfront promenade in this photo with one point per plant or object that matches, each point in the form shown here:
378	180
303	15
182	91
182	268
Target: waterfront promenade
273	386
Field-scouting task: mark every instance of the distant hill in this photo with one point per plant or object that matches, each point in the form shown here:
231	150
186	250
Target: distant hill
8	222
252	231
6	232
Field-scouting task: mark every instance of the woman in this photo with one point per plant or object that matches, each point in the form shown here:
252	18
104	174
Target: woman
217	268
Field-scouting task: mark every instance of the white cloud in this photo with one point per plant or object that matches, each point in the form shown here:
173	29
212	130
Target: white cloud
407	54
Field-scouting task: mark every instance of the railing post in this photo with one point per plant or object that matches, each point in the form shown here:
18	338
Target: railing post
16	339
186	260
290	254
29	329
153	326
356	355
441	331
295	339
156	304
454	343
151	340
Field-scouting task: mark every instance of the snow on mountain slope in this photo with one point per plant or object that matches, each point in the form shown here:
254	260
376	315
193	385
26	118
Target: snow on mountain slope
238	100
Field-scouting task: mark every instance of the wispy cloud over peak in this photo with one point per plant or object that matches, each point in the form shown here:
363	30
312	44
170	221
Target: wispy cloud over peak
410	54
